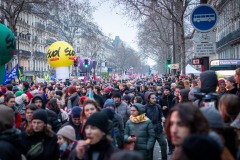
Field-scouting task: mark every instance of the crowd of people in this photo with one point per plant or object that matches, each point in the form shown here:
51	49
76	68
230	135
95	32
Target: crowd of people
191	118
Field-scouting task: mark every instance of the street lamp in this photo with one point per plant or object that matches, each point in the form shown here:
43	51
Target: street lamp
18	37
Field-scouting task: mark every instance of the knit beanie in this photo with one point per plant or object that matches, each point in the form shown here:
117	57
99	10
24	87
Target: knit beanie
40	114
7	118
76	111
19	93
99	120
167	87
82	99
109	112
108	89
29	95
3	89
15	89
71	89
140	108
67	132
213	117
109	102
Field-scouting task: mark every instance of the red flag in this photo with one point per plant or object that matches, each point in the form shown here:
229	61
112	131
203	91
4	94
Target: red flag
94	77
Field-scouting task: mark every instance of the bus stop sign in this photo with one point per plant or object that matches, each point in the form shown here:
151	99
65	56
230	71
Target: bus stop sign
204	18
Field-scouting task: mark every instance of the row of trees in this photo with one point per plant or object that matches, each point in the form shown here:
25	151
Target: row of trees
163	27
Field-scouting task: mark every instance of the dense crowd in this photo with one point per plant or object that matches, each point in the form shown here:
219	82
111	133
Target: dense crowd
192	118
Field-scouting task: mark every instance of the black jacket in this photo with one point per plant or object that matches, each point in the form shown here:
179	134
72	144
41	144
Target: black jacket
10	145
166	101
53	120
99	100
50	146
76	128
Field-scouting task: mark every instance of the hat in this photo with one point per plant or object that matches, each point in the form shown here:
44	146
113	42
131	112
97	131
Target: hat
221	81
99	120
213	117
19	93
7	118
167	87
76	111
71	89
82	99
29	95
67	132
236	122
40	114
109	102
108	89
231	79
3	89
109	112
140	108
201	147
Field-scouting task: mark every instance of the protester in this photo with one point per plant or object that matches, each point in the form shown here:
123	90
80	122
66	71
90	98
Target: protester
73	97
10	143
154	113
139	129
28	116
41	137
66	141
98	145
9	100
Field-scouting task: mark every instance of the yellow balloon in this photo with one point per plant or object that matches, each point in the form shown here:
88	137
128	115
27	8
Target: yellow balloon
60	54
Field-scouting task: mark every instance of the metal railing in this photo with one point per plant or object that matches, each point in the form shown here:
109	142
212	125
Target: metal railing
229	38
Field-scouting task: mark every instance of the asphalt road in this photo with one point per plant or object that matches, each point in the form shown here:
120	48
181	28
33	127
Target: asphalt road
157	153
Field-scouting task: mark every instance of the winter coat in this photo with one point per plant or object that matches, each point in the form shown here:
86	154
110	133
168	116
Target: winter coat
209	82
103	148
117	130
145	137
50	146
10	145
73	100
18	118
124	111
154	113
166	101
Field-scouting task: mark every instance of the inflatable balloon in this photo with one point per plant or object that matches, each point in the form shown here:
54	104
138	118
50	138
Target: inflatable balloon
61	55
7	44
81	64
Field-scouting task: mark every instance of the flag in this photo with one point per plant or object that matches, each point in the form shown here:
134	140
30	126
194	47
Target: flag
20	76
46	77
5	75
94	77
12	75
34	79
155	77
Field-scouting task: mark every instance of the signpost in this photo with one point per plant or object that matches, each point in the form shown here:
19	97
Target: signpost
206	37
174	66
205	49
204	18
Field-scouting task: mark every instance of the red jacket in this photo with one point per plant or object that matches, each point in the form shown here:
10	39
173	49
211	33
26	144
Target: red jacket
18	120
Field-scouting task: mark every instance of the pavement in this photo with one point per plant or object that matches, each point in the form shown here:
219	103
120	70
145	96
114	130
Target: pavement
157	153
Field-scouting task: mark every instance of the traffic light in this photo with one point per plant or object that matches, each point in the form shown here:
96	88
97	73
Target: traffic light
168	63
75	61
85	63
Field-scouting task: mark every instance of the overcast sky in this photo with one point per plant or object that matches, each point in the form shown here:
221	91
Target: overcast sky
114	24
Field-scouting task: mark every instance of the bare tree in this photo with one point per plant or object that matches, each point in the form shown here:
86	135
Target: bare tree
71	15
172	10
12	8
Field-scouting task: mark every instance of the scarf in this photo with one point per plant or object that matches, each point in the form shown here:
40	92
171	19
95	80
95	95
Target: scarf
139	119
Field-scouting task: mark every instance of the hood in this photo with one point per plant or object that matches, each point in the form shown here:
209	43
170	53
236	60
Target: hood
146	95
39	96
209	81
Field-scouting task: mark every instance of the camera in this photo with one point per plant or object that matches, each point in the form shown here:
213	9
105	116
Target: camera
207	100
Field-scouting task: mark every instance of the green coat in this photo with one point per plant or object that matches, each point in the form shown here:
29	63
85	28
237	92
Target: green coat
144	133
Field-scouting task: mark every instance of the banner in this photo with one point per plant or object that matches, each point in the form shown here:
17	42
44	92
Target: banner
12	75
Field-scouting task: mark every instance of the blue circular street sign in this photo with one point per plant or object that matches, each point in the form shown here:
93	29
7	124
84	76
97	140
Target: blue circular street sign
204	18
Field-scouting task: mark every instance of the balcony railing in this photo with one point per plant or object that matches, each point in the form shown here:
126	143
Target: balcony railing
23	53
39	54
229	38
